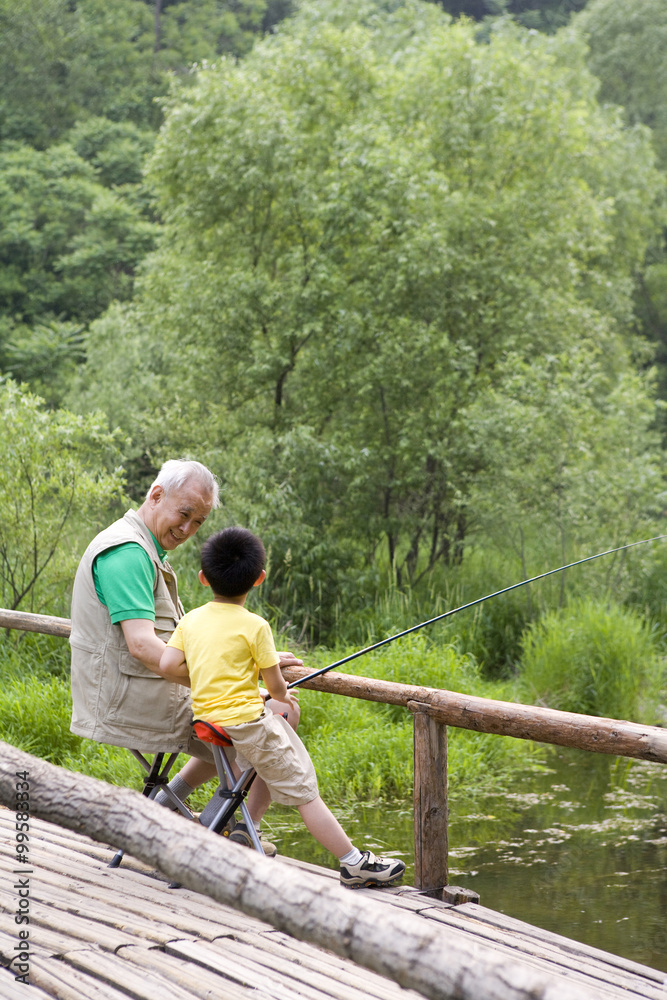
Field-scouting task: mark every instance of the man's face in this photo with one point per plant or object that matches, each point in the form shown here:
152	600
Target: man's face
176	516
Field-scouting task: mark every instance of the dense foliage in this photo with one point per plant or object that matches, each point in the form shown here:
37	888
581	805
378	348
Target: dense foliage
373	324
58	476
626	54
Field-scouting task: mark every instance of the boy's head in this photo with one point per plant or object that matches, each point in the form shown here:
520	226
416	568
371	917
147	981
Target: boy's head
232	561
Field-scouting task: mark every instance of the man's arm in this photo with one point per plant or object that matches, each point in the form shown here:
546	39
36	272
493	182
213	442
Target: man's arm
143	643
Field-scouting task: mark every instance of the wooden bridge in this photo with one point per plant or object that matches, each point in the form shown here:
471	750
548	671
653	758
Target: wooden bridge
98	933
111	934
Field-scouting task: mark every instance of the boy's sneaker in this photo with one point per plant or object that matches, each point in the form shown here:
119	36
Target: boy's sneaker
372	871
240	835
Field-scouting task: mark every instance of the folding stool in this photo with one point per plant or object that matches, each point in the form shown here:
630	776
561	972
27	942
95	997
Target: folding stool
157	778
231	792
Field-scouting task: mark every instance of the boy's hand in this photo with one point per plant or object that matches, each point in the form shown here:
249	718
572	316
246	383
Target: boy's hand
275	684
293	703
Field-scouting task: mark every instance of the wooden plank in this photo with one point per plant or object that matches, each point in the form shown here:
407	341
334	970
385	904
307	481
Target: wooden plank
503	718
10	989
163	890
430	801
549	951
483	914
26	622
190	910
160	916
144	984
60	899
310	869
85	929
244	970
69	929
186	974
291	972
8	941
81	888
285	948
60	980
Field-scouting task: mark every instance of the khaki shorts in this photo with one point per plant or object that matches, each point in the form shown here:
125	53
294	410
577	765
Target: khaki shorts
272	747
197	748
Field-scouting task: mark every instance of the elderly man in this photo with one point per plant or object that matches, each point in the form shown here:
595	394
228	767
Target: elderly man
125	606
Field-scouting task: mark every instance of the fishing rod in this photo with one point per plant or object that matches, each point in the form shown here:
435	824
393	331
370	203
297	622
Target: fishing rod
464	607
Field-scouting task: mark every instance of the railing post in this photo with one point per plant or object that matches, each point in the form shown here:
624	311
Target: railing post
430	801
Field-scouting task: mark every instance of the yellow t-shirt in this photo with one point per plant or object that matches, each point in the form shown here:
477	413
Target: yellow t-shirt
225	647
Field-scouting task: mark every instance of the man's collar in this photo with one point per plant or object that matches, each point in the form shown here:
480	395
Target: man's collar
160	551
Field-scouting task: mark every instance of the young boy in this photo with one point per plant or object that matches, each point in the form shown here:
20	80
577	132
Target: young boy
222	647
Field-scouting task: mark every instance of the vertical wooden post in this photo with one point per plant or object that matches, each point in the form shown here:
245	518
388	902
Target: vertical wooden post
430	802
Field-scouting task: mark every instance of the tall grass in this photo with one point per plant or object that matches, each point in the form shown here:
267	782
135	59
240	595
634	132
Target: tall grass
36	707
594	657
363	750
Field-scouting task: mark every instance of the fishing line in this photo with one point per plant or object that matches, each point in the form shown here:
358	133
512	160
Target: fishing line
464	607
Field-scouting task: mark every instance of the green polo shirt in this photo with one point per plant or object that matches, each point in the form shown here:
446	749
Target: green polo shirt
124	577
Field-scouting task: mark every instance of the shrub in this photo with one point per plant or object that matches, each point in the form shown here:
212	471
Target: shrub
593	657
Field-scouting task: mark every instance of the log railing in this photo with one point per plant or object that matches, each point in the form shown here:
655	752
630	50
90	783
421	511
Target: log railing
433	710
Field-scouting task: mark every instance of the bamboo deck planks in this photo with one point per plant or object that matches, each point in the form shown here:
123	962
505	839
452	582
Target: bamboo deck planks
112	934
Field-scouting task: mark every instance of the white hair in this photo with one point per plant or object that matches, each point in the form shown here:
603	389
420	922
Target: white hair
177	471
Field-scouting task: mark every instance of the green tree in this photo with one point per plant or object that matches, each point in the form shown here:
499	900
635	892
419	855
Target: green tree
362	224
59	473
68	245
189	31
627	43
117	150
61	62
626	52
571	445
544	15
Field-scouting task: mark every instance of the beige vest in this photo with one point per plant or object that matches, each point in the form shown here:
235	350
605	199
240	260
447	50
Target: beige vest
115	698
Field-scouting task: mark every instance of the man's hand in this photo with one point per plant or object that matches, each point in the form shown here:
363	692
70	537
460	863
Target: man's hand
289	660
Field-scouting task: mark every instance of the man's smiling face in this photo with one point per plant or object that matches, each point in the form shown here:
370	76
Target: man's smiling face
178	515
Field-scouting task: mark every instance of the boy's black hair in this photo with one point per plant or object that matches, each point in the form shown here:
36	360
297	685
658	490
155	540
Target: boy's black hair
232	560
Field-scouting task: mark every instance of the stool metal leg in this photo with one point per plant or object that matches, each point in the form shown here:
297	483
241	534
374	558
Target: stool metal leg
229	797
157	778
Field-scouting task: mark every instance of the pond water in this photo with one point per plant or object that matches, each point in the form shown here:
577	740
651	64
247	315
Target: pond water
579	848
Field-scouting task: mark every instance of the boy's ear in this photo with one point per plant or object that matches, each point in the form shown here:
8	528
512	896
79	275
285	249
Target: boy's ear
260	579
202	579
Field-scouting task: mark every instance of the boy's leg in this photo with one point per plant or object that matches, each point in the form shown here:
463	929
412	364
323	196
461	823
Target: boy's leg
196	772
324	827
356	868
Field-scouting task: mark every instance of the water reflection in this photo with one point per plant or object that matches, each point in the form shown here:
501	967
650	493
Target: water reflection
579	848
